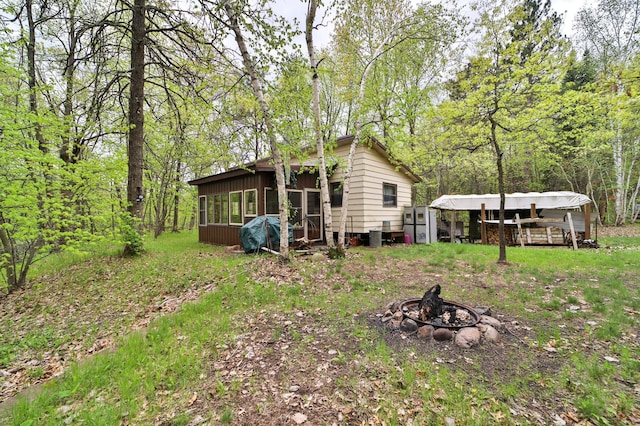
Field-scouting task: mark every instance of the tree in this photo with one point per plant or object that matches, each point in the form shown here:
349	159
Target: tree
507	92
230	16
366	32
611	32
581	156
33	220
317	126
135	146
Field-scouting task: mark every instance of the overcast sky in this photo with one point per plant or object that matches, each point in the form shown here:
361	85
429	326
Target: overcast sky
297	9
569	8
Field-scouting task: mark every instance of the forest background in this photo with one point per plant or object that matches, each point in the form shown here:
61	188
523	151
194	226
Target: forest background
108	108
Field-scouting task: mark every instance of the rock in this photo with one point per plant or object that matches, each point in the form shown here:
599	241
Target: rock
409	325
483	310
442	334
490	334
559	421
197	420
426	332
299	418
468	337
413	315
394	324
484	319
395	306
398	316
318	256
65	409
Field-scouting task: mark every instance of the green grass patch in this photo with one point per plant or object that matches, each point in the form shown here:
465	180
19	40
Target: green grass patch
259	341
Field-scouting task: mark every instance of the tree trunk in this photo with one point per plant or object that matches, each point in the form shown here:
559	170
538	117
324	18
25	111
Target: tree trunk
9	263
283	200
317	123
31	64
618	167
69	151
136	114
346	187
176	198
502	258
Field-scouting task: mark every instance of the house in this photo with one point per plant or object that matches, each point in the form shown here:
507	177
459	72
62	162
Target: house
380	189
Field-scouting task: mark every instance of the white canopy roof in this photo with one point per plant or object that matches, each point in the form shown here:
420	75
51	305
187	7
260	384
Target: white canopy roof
515	201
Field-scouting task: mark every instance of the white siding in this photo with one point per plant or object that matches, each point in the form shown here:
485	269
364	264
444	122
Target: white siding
370	171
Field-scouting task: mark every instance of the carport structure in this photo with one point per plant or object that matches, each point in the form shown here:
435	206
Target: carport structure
533	213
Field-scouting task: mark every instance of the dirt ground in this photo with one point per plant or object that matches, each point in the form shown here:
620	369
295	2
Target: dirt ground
273	380
309	381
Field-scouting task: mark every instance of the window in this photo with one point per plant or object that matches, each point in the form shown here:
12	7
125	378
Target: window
389	195
251	202
271	202
295	208
202	211
221	209
235	208
295	205
313	217
336	194
211	209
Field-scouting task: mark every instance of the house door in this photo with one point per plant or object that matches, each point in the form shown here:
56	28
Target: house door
313	215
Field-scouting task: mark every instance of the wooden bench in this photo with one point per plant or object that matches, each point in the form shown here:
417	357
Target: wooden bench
548	235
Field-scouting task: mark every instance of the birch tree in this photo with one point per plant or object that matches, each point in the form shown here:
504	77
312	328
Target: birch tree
366	31
312	7
233	16
610	30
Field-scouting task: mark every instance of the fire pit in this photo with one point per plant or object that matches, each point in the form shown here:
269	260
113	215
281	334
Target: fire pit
465	316
433	318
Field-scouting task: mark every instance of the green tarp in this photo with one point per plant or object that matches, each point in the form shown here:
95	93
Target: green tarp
263	231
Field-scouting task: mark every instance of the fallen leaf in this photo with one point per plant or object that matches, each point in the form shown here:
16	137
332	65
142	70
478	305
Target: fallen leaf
193	399
299	418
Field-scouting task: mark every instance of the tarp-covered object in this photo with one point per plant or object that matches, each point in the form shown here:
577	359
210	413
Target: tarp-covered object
515	201
263	231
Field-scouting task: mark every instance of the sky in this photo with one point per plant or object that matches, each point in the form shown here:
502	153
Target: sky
297	9
569	8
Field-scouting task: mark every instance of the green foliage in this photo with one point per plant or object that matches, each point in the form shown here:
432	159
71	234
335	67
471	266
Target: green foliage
336	253
131	235
507	94
156	373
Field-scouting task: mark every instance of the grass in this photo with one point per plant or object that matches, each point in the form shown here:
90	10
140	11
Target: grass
267	340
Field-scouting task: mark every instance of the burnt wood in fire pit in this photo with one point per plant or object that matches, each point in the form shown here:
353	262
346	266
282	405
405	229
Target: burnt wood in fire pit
431	304
454	315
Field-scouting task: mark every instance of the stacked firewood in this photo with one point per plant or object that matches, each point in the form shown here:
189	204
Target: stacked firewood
493	237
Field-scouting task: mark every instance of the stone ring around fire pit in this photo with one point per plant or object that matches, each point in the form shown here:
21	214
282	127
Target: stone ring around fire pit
465	316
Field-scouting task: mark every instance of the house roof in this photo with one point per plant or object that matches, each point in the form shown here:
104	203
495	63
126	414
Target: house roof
383	150
515	201
266	164
262	165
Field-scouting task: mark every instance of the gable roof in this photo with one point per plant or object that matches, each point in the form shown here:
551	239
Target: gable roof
384	151
266	164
